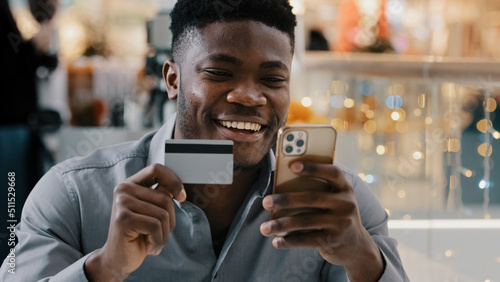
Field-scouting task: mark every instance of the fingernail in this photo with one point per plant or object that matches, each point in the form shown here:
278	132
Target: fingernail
297	167
265	228
267	203
182	195
276	242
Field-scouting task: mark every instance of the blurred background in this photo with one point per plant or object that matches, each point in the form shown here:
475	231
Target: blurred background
412	87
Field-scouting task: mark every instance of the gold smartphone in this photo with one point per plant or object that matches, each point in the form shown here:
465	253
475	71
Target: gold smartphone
306	143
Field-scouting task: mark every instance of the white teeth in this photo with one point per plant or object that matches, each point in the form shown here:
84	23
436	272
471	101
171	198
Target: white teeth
241	125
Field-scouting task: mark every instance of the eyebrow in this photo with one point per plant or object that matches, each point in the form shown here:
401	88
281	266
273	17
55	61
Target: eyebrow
225	59
235	61
273	65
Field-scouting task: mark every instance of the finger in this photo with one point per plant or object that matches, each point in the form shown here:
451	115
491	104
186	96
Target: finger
339	203
316	239
159	199
165	216
327	172
168	182
304	222
133	224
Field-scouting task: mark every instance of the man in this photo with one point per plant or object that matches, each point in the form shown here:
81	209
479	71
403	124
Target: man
98	218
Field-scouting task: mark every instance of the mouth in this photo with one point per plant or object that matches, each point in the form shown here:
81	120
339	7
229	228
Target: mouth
249	126
241	131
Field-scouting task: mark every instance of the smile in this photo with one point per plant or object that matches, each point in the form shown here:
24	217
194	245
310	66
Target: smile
252	126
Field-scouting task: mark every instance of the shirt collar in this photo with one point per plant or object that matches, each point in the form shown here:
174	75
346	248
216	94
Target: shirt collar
157	147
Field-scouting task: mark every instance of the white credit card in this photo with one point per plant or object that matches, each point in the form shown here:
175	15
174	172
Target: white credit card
198	161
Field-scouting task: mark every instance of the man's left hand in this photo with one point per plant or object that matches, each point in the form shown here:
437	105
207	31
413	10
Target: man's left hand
336	231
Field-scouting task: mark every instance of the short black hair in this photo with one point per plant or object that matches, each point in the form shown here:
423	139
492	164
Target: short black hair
196	14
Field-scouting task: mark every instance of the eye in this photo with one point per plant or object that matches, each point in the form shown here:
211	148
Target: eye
218	73
274	79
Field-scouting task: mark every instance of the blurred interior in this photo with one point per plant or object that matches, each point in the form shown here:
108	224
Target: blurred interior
411	86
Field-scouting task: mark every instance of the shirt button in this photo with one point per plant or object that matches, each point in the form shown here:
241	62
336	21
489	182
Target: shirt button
196	219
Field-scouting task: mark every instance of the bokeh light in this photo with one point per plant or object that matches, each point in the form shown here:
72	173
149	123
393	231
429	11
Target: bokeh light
418	155
395	116
370	126
349	103
370	114
306	102
417	112
483	125
338	87
482	149
366	88
491	105
421	101
337	101
401	194
394	102
496	135
381	149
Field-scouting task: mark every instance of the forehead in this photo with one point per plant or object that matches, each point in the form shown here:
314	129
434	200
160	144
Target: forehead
242	39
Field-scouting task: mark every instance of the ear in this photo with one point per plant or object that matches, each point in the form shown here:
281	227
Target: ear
171	76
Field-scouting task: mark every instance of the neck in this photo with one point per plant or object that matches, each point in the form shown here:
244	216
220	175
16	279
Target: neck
216	196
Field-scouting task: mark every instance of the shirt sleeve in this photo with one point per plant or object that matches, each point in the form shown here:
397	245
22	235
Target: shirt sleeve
49	245
374	219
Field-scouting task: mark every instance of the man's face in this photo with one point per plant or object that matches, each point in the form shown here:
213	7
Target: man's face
234	85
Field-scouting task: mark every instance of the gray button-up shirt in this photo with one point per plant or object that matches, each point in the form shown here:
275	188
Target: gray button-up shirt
67	215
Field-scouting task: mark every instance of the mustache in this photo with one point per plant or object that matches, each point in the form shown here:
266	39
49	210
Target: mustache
244	111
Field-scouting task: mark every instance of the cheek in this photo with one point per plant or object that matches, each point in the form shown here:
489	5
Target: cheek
281	103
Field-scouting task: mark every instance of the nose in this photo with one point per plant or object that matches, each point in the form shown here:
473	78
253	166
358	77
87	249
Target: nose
247	94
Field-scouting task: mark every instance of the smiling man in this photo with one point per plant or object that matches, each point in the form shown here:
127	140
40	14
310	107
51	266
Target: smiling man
97	218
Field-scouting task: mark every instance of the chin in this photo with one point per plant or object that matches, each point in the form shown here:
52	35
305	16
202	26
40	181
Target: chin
247	166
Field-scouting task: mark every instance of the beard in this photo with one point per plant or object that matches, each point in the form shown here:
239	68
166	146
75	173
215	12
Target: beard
184	118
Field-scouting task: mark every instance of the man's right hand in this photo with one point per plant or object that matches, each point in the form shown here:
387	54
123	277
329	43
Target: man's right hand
141	221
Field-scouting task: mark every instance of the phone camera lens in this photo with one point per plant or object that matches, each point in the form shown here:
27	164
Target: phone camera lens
288	149
289	137
300	143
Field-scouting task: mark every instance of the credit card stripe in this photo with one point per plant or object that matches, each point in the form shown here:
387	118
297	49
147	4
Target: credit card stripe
199	148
